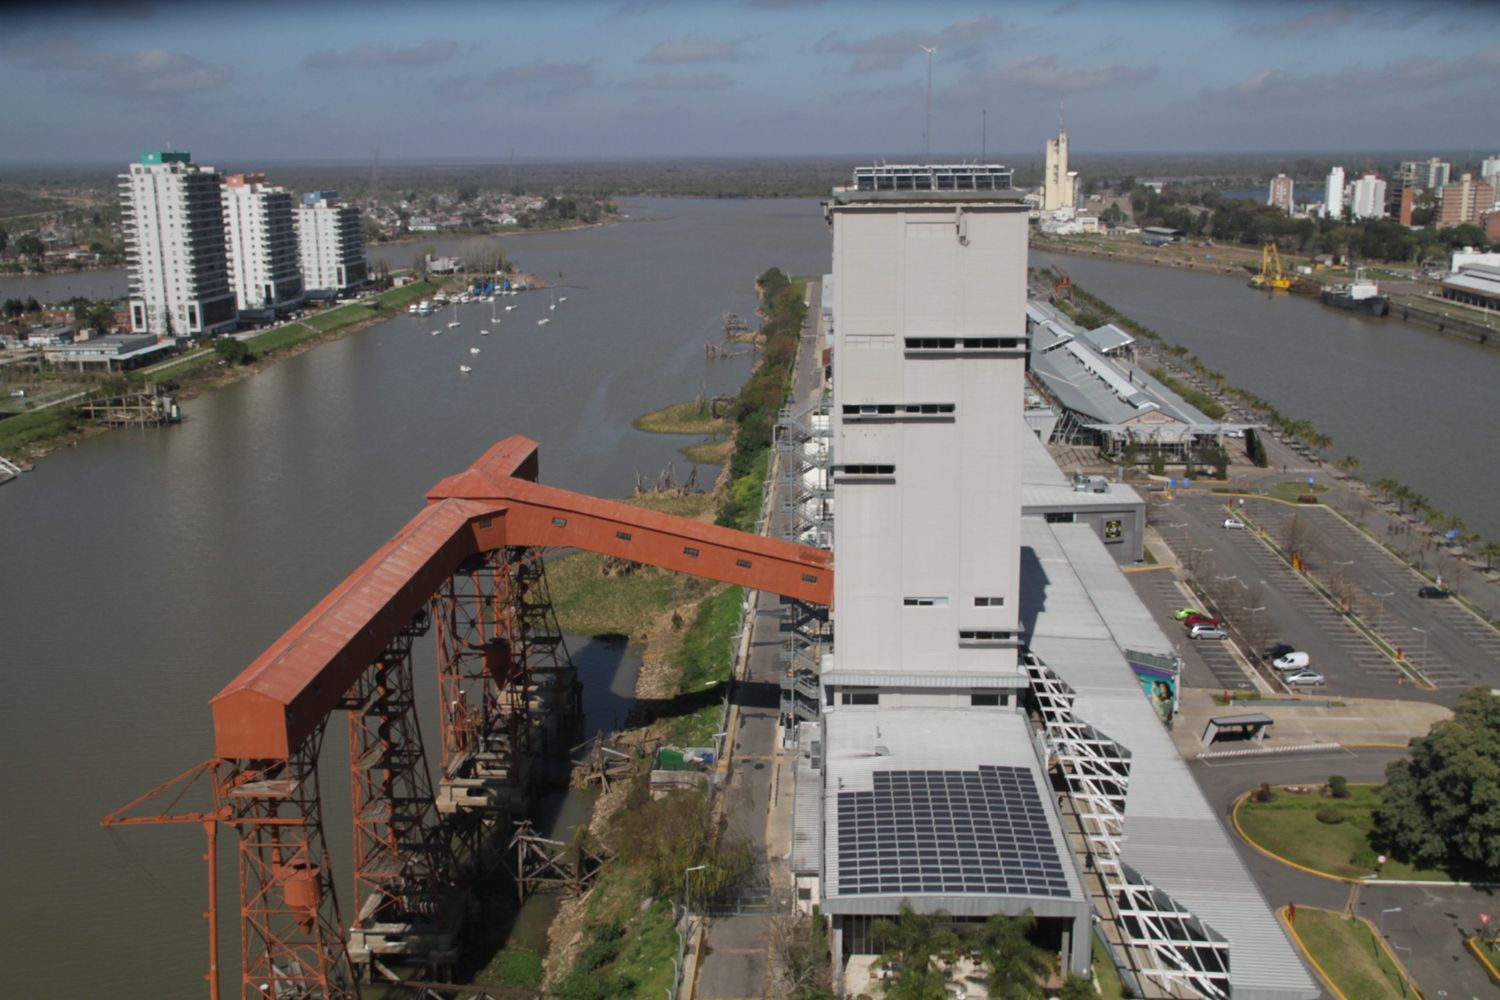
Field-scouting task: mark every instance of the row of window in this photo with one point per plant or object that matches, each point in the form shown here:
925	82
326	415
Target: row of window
864	470
962	343
688	550
942	602
871	696
858	411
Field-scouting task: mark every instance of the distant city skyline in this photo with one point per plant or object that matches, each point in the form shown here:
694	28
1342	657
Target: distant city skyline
588	79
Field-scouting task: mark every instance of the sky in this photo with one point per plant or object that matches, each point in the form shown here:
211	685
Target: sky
611	79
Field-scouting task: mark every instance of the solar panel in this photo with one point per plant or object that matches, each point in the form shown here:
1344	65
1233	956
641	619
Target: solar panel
947	832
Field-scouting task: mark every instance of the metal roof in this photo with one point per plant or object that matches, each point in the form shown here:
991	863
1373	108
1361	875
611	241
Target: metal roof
1081	613
1107	338
870	750
959	680
807	805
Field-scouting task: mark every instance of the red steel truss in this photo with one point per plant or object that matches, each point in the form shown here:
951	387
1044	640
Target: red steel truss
469	564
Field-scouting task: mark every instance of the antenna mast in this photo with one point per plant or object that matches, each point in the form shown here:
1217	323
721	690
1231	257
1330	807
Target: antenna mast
984	134
927	132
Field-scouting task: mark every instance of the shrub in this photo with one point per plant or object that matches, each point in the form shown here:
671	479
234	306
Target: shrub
1262	793
1364	858
1329	815
1338	786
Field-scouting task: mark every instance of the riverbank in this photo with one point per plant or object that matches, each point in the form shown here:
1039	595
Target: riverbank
1409	305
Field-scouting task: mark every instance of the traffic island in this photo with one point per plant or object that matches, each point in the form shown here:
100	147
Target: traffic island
1350	957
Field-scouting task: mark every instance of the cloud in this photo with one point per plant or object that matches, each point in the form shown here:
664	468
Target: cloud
961	41
1313	21
120	10
784	4
1045	74
428	53
144	72
692	50
1395	79
684	82
555	79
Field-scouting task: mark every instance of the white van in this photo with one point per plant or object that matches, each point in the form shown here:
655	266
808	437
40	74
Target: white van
1292	661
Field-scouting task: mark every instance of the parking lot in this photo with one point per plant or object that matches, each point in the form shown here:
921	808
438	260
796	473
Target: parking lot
1265	601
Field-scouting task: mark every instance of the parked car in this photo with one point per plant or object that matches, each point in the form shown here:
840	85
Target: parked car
1233	522
1302	678
1207	632
1278	649
1292	661
889	970
1182	613
1432	592
1192	620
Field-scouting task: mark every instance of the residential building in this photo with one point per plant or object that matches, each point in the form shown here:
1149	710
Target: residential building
1403	208
174	245
1437	174
1465	202
1281	193
332	245
1489	172
1333	194
264	264
1367	196
1059	184
1404	179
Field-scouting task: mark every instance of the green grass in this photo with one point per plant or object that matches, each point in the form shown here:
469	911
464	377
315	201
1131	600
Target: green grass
707	651
647	952
29	428
1291	491
519	968
682	418
709	452
406	294
1209	406
1287	826
333	319
590	603
1110	987
1350	955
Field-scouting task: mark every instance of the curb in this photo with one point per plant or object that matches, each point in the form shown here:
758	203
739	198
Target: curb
1323	974
1473	945
1266	752
1234	817
1307	955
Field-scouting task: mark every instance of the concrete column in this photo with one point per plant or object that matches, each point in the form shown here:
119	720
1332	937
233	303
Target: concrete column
1082	942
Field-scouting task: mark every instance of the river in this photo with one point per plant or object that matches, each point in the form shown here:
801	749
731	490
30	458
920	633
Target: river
1409	403
144	569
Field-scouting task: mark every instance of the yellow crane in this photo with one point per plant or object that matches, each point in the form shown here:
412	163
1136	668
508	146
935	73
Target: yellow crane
1270	275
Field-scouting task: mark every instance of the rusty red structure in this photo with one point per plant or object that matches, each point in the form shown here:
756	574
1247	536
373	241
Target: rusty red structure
468	568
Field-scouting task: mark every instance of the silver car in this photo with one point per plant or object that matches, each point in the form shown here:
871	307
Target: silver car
1302	678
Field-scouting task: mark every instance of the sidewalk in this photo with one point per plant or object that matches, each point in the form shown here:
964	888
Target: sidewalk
1300	721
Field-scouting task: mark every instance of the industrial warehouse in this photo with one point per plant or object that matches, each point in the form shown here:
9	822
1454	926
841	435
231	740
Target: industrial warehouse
991	735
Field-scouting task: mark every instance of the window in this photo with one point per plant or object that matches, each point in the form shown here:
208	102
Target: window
742	563
989	602
1060	518
925	602
897	411
984	637
623	536
559	522
864	470
963	343
859	696
809	578
688	550
989	699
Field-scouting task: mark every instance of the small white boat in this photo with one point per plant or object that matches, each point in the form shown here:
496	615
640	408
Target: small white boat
473	350
562	298
509	308
411	310
484	333
465	369
543	321
453	324
436	332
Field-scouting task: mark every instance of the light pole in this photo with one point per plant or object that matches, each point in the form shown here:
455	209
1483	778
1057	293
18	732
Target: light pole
687	904
1394	909
1380	612
1415	628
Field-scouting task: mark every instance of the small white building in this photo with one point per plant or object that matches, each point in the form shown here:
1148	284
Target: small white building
332	245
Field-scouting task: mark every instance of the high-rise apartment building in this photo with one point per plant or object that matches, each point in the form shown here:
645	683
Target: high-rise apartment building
174	246
1466	201
1367	196
1437	173
264	265
1060	186
1489	172
332	245
1333	194
1281	193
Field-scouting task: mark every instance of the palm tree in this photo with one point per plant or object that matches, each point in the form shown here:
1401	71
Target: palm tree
1490	551
908	944
1016	965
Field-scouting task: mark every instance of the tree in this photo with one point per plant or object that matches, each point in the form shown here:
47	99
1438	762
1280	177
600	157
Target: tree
232	351
4	240
30	246
908	944
1441	806
1077	988
1016	966
13	307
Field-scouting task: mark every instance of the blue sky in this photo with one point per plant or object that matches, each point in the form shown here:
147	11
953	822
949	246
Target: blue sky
687	78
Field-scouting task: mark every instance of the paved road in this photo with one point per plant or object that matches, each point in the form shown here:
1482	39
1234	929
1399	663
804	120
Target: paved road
736	964
1433	920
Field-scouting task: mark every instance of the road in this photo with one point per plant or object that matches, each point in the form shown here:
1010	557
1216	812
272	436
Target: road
1432	921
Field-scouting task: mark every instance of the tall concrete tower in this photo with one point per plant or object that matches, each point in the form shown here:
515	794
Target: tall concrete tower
1333	194
174	244
1059	185
263	257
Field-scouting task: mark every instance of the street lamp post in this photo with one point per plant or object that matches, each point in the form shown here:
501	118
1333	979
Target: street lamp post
1380	612
1394	909
1416	628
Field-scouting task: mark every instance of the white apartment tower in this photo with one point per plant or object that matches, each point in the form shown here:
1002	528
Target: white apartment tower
1060	186
332	245
1333	194
1438	173
174	245
264	263
1367	199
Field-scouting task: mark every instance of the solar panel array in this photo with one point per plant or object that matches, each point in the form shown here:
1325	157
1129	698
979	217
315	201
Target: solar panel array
947	832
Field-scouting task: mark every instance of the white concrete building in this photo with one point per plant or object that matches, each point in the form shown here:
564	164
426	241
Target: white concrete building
174	246
264	264
1060	185
1333	194
1437	173
1367	196
1489	172
332	245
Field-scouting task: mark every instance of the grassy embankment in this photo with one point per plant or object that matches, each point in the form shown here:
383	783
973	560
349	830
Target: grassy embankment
698	418
1349	953
1289	827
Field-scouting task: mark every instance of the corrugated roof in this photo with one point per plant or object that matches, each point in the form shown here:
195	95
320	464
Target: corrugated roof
1080	613
959	680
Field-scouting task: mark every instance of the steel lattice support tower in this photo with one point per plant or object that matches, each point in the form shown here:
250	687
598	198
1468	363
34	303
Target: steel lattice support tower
406	898
291	935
